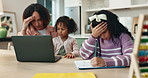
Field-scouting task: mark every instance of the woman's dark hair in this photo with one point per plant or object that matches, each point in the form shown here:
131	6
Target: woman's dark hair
43	12
68	22
114	26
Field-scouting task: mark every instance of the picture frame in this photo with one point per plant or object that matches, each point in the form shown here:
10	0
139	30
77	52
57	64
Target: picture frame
87	29
8	20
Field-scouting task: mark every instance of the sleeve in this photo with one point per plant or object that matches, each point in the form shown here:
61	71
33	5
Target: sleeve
55	45
30	31
20	33
25	32
75	48
86	51
124	59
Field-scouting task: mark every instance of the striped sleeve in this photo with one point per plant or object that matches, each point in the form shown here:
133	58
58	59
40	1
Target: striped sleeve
124	59
86	51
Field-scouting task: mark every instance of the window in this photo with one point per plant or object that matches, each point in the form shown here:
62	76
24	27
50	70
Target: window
48	5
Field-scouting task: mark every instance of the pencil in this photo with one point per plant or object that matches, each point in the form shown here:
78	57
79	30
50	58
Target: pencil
95	49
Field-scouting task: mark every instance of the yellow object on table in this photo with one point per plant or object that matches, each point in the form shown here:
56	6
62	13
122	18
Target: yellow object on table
145	75
65	75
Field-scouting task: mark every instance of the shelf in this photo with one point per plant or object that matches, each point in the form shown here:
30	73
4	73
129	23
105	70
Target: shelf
119	8
80	36
8	39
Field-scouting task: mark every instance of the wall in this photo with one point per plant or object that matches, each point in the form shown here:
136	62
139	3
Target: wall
89	7
18	7
72	3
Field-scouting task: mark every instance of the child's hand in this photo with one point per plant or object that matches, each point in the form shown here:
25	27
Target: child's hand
69	55
97	62
99	29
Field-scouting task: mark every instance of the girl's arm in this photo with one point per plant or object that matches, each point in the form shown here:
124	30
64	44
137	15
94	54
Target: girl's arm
88	46
124	59
87	49
75	48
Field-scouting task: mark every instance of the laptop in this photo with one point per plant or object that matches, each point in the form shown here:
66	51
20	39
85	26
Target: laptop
34	49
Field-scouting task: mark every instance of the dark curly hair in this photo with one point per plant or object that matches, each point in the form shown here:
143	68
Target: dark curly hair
43	12
68	22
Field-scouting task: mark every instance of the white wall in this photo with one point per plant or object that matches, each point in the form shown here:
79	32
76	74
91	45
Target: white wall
72	3
121	12
18	7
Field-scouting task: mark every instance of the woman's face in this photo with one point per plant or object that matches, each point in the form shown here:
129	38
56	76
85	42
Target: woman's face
37	22
105	35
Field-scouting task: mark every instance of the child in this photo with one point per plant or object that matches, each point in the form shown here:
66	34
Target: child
65	45
113	41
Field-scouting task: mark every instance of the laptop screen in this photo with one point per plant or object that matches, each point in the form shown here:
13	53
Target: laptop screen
34	48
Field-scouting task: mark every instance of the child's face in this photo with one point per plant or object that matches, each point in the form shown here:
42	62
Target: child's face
105	35
62	30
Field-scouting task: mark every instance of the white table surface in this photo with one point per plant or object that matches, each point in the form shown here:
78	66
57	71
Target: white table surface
11	68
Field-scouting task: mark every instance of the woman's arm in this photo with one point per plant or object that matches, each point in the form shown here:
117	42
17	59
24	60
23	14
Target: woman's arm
26	23
21	33
52	31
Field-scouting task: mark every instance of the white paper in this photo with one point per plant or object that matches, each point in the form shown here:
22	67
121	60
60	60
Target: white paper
86	64
83	64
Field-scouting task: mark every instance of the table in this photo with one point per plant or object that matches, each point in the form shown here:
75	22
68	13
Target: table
10	68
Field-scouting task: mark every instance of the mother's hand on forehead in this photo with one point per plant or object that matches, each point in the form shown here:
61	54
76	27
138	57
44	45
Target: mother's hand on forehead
99	29
27	21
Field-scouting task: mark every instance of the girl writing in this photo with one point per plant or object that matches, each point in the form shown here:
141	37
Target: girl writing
110	43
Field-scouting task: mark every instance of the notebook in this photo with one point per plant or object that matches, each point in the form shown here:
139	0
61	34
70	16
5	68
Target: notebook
86	64
34	49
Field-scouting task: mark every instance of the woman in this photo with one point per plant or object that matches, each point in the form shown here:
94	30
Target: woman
35	21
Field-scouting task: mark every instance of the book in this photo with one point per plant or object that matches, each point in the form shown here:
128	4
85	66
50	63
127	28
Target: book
65	75
86	64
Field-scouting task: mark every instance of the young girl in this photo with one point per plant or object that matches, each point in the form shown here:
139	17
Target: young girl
65	45
112	40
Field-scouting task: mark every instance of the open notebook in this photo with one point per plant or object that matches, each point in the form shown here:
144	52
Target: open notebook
86	64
